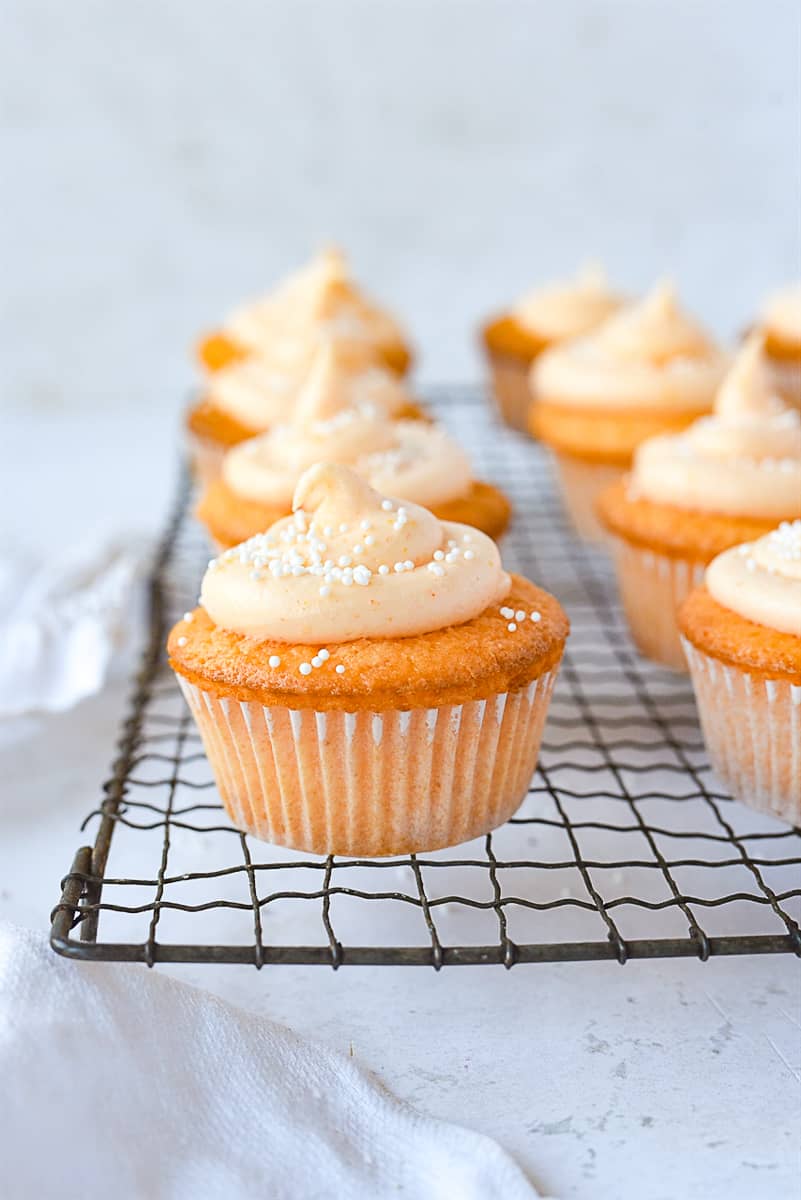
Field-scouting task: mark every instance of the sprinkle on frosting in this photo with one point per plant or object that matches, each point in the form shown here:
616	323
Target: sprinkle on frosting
297	558
762	580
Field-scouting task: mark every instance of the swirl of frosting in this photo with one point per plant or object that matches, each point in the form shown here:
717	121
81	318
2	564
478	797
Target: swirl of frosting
762	580
650	354
342	417
565	310
744	460
320	301
351	564
781	315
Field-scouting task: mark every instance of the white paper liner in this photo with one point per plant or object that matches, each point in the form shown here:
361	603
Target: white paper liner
752	730
580	484
372	783
509	378
205	457
652	586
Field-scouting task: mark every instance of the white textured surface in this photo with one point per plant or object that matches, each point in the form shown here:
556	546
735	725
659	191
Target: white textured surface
162	160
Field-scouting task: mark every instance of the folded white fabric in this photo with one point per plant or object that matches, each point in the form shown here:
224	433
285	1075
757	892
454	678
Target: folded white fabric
60	622
121	1082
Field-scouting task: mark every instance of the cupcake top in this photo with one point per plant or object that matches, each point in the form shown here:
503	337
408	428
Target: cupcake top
566	310
743	460
650	354
318	302
761	580
259	394
780	318
350	564
345	417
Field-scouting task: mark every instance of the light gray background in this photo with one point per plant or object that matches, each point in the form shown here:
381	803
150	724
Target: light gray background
162	160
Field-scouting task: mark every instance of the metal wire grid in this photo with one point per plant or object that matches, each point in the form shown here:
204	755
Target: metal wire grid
625	847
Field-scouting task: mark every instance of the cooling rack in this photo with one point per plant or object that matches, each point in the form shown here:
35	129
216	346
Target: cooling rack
625	847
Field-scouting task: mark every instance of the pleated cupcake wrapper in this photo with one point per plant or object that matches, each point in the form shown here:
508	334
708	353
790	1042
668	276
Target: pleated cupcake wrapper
372	783
511	389
581	483
752	730
652	586
206	458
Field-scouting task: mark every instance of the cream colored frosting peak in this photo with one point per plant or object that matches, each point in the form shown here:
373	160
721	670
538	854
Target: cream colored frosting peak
648	355
351	563
762	580
320	301
744	460
781	314
564	310
253	391
336	382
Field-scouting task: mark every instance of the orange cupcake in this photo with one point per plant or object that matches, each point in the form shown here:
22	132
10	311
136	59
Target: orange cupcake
742	637
249	397
319	302
388	705
780	325
649	369
540	319
410	459
729	478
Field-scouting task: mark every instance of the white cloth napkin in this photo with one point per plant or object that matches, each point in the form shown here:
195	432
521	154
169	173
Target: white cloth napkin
118	1081
61	620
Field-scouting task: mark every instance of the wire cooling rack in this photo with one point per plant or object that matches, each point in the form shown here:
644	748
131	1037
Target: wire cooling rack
625	847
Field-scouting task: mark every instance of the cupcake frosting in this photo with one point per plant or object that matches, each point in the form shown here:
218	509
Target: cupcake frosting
318	302
351	563
762	580
565	310
743	460
650	354
781	315
344	418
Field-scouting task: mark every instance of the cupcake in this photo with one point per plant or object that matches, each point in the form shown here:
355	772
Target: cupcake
780	324
649	369
335	420
391	705
250	396
729	478
541	319
319	302
742	637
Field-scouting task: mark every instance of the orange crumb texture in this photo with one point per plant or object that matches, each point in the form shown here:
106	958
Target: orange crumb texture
231	518
506	337
738	642
217	350
609	434
473	661
677	532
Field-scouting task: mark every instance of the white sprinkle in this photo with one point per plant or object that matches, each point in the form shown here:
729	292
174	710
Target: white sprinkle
387	505
409	565
369	540
507	612
398	567
383	569
182	641
535	616
274	660
343	527
317	661
436	569
325	590
328	531
365	525
750	564
340	670
520	615
189	617
469	555
305	668
439	555
324	655
362	575
511	627
467	537
358	549
344	560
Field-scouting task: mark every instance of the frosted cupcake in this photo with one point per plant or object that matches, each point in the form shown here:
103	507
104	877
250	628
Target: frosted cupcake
649	369
780	324
742	638
729	478
390	705
251	396
333	421
541	319
317	303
